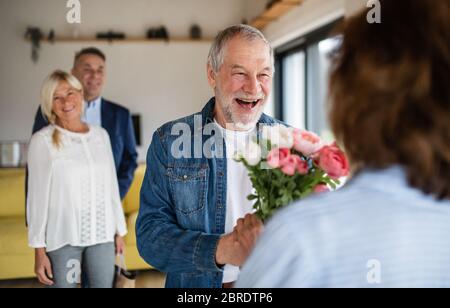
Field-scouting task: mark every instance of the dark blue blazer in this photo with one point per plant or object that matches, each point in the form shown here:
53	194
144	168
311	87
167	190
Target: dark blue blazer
117	122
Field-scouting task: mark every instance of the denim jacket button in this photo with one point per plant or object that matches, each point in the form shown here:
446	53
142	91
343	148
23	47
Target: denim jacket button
185	177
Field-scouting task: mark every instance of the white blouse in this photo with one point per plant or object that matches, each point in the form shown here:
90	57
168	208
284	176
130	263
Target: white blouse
73	193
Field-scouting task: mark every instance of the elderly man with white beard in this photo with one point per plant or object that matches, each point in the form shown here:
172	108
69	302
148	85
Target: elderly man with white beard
195	222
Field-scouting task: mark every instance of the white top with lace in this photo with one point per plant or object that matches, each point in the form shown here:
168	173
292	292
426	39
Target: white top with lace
73	194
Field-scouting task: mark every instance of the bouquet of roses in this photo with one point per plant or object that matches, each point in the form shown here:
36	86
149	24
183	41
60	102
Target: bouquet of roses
288	164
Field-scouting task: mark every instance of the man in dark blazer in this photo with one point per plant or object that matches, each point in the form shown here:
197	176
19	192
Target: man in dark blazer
89	67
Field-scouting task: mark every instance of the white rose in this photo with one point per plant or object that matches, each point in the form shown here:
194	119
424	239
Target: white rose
252	154
279	135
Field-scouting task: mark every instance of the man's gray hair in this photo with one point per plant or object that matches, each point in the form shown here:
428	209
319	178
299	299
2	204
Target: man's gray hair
216	53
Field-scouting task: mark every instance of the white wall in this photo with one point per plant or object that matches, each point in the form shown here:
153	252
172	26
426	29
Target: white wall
160	81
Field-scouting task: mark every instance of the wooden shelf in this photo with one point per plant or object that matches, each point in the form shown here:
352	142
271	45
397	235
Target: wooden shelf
277	10
124	41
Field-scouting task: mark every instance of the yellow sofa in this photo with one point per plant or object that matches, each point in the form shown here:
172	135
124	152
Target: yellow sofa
16	258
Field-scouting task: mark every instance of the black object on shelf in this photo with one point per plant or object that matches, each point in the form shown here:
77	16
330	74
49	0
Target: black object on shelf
158	33
51	36
111	36
35	35
196	32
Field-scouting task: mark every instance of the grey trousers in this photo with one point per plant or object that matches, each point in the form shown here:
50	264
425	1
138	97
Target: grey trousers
94	263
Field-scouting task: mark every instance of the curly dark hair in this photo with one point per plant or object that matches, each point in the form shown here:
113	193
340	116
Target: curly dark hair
390	91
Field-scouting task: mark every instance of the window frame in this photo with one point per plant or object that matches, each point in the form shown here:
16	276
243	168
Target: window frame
297	45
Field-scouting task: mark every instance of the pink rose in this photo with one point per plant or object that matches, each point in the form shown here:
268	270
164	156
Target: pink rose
278	157
288	163
321	188
290	166
306	142
301	165
294	164
333	161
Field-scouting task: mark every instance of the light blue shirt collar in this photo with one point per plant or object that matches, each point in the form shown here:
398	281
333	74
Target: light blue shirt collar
93	112
95	103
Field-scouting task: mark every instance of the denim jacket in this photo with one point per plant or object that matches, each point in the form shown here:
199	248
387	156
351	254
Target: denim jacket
183	206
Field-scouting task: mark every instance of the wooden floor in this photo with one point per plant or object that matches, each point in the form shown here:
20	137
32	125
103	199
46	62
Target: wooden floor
146	279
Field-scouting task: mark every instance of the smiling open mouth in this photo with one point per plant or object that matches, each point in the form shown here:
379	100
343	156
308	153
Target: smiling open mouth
67	110
248	104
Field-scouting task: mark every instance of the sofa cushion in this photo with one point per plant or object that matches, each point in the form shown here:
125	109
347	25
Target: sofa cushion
12	192
13	237
131	202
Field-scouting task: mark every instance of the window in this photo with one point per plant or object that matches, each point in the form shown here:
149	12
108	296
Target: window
294	88
301	84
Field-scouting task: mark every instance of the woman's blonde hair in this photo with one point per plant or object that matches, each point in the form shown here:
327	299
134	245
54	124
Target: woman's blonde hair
47	93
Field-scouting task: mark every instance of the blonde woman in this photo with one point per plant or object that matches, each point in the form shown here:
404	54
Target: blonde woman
75	218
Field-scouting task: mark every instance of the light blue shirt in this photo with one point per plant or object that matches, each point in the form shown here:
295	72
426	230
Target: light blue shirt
93	112
376	231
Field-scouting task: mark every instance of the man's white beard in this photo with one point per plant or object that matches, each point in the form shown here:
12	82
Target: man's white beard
232	119
238	123
251	124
